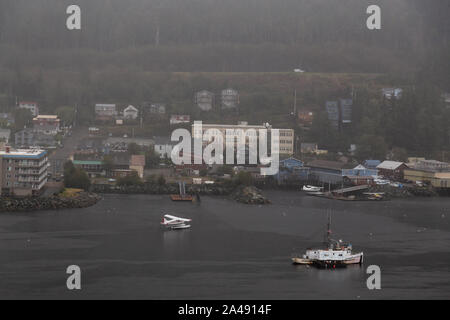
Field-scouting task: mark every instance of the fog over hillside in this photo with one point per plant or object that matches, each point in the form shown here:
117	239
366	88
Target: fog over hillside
232	35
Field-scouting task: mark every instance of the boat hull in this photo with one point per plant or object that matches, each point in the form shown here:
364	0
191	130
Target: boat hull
302	261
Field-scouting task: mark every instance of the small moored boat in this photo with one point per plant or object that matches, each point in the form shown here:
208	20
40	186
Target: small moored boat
336	254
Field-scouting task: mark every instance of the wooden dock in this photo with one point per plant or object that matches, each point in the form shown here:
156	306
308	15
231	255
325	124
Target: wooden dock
177	197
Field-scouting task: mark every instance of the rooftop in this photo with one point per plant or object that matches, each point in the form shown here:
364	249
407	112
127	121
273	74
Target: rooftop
44	116
327	164
23	153
87	162
390	165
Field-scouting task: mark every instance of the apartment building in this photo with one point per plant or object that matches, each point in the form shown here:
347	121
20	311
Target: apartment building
286	136
22	172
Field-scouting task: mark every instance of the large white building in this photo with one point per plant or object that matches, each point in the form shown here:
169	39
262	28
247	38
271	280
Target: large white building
22	172
286	136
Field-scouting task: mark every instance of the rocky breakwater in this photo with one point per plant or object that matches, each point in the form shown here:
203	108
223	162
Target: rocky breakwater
250	195
406	191
54	202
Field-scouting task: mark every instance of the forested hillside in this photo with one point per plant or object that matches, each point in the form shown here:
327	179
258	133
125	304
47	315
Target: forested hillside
231	35
130	51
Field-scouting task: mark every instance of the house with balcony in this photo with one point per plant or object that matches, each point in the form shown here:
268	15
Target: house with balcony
23	172
46	124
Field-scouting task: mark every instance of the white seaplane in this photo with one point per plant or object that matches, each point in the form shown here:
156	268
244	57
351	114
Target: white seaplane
174	223
311	188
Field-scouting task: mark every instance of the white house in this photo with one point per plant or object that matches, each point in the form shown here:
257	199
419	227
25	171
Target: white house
204	100
32	106
388	93
5	134
229	98
164	146
130	113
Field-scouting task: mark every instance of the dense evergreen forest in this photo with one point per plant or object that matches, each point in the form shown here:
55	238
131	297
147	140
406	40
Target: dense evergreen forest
225	35
130	51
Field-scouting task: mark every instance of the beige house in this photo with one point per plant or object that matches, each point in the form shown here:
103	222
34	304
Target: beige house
137	163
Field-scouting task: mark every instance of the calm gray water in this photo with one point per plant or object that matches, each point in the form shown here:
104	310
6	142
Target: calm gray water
232	251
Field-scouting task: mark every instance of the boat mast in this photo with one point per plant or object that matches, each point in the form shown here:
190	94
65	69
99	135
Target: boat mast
329	230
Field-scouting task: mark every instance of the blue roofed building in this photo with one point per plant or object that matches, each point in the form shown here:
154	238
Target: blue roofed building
291	171
324	171
371	164
360	170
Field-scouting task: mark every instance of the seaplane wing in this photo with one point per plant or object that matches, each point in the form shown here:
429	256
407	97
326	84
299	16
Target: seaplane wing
169	219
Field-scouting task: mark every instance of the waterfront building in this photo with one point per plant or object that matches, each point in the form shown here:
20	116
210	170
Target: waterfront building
371	164
324	171
358	180
94	168
392	170
23	172
292	171
434	172
31	106
361	171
